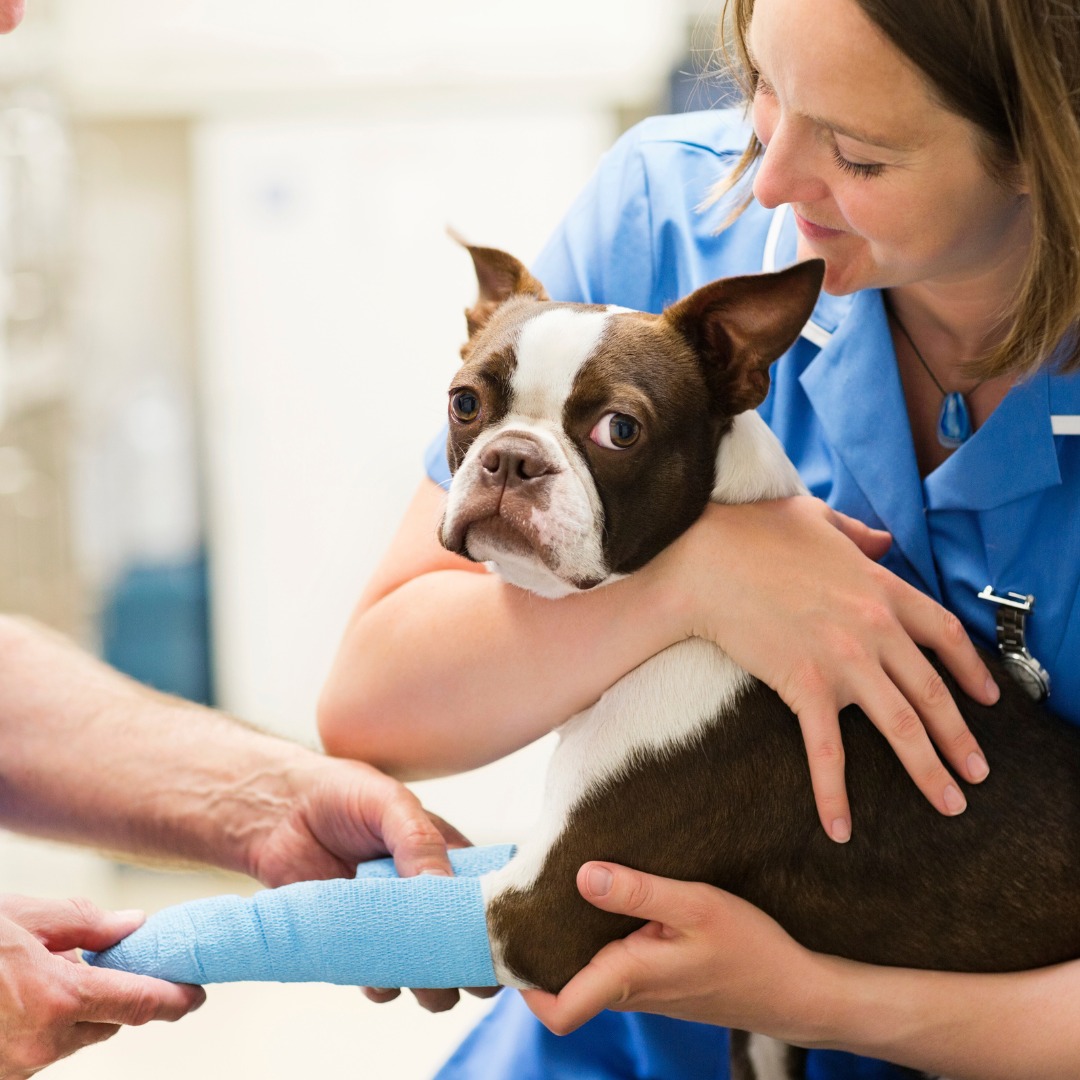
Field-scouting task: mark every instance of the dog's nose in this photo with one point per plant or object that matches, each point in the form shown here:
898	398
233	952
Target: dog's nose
514	460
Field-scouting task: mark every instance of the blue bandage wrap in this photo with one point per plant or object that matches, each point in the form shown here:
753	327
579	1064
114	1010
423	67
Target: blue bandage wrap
376	929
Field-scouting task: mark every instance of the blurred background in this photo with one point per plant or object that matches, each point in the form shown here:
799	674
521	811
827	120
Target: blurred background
216	218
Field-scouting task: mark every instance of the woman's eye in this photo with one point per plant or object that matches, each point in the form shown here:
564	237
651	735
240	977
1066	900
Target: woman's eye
464	406
615	431
854	167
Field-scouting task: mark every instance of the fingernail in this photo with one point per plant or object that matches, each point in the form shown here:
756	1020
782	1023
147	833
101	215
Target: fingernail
599	880
993	691
130	914
954	801
436	871
977	767
841	830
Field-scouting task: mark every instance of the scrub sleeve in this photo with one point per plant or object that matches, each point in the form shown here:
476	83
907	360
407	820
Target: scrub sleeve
1003	510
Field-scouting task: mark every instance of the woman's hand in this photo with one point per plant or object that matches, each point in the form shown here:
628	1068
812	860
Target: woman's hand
705	955
790	591
711	957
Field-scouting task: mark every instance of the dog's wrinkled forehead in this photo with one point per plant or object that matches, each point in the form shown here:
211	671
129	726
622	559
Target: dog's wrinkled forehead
551	349
530	354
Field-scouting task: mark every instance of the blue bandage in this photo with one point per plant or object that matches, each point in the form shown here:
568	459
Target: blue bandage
375	930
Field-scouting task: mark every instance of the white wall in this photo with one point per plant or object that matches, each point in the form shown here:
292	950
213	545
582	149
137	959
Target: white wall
332	314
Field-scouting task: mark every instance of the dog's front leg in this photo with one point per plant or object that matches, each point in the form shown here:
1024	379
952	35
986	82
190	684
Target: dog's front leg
759	1057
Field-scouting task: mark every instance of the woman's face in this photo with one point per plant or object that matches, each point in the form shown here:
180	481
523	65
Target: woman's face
886	184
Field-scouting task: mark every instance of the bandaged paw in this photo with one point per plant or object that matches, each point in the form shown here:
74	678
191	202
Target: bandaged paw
376	929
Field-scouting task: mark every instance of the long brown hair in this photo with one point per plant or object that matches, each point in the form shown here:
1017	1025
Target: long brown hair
1012	68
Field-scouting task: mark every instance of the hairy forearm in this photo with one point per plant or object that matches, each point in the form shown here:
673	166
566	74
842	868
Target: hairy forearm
966	1027
455	669
89	756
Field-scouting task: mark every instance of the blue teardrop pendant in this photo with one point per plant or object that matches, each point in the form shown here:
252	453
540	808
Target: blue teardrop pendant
953	422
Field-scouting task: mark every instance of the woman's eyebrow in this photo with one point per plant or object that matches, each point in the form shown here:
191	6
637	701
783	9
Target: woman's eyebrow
870	138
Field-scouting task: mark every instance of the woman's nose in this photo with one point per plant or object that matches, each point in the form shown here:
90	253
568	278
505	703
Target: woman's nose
786	172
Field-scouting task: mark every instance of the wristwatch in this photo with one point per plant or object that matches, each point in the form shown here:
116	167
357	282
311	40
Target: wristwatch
1012	611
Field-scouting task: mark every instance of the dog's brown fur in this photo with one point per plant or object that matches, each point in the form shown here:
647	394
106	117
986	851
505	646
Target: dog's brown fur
995	889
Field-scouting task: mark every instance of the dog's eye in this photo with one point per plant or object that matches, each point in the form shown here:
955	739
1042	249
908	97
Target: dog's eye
615	431
464	406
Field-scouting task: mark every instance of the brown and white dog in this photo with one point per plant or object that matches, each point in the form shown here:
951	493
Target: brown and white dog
583	440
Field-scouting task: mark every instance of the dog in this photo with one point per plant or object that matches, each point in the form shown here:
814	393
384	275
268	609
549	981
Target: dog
583	440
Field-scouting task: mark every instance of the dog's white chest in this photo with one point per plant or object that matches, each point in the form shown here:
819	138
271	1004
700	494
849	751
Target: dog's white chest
661	705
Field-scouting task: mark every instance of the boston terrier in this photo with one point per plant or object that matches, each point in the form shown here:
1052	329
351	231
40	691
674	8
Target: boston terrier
583	440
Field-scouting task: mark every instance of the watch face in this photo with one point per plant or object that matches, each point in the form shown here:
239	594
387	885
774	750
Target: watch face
1028	672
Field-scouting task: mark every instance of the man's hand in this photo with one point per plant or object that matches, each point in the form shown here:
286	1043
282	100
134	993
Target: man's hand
341	813
52	1004
345	813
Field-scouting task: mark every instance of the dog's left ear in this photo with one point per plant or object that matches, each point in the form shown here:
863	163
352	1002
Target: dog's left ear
499	276
740	325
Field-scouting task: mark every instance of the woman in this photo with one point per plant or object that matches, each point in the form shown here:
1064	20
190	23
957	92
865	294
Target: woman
929	153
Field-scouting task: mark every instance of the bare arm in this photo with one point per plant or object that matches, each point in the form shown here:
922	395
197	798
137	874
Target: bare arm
444	667
89	756
714	958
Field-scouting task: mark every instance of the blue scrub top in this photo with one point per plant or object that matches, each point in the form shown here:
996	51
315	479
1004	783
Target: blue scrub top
1003	510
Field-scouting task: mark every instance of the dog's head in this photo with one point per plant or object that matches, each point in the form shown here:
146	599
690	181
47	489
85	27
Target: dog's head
584	439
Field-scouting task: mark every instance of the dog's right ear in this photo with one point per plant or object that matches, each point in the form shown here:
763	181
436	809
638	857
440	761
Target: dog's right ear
500	276
739	325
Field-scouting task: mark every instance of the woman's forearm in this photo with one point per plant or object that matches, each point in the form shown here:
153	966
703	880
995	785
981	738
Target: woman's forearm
966	1027
454	669
445	668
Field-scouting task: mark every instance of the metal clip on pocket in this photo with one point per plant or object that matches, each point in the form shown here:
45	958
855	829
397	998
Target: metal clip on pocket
1012	611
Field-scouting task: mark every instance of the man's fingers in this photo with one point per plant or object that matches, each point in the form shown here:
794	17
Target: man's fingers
83	1034
453	837
117	997
61	925
437	1001
379	995
413	838
873	543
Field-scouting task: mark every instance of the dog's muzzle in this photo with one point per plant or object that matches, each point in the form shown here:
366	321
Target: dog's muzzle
509	479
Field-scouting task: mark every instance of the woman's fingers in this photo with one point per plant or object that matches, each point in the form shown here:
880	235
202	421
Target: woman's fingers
909	703
824	625
895	717
825	755
607	981
921	684
600	985
931	625
873	543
